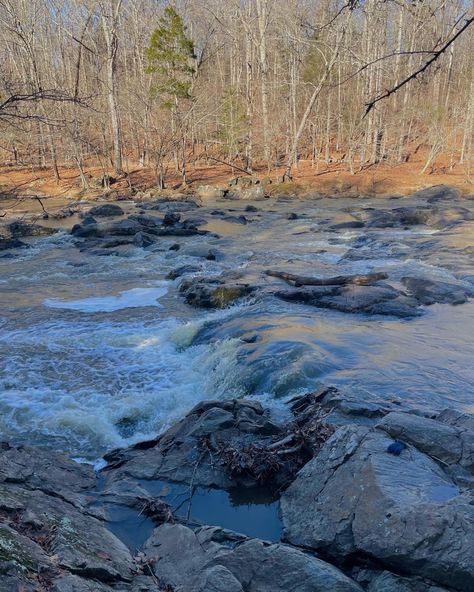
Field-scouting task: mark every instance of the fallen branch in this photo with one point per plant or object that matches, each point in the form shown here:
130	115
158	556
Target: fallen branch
338	280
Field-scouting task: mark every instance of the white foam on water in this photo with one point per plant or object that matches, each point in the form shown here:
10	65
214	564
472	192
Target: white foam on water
92	386
134	298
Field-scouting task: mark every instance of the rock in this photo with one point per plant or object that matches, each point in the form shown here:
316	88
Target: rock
388	582
88	229
440	441
251	208
348	225
216	560
438	193
403	511
18	229
406	216
11	243
126	227
210	192
171	218
142	239
46	523
88	219
431	292
183	453
212	293
183	270
236	219
148	222
106	211
376	299
70	583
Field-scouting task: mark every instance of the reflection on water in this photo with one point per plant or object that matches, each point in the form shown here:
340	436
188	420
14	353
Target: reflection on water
89	362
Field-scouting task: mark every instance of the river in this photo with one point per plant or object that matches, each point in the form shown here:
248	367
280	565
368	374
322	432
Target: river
101	352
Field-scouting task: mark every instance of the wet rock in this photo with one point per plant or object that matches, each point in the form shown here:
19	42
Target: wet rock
406	216
171	218
377	299
127	227
88	229
348	225
438	193
388	582
142	239
236	219
190	450
213	293
292	216
404	511
431	292
146	221
212	559
88	219
18	229
183	270
11	243
106	211
251	208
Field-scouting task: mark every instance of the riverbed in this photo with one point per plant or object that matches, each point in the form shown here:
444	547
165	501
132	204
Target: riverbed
99	352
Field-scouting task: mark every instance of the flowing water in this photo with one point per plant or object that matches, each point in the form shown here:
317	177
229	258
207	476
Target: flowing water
100	352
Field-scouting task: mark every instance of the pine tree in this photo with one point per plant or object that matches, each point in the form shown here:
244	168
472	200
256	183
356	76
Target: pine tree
171	55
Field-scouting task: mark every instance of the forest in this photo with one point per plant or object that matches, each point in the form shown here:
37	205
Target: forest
256	83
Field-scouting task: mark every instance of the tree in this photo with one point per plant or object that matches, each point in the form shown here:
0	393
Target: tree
171	57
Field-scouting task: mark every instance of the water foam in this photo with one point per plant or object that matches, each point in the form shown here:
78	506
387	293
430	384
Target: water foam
134	298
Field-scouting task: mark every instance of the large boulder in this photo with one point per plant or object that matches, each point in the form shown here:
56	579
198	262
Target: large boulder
438	193
355	497
388	582
215	560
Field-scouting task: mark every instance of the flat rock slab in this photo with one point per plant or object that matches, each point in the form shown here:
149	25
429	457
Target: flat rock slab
214	560
404	511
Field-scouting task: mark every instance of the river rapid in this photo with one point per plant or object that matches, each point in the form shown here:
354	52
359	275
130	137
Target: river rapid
99	352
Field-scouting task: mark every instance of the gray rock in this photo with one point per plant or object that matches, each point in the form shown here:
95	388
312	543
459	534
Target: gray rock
11	243
106	211
212	559
142	239
432	437
377	299
438	193
189	451
403	510
431	292
388	582
18	229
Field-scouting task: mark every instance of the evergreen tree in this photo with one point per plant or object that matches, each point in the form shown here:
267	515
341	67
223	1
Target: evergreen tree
171	55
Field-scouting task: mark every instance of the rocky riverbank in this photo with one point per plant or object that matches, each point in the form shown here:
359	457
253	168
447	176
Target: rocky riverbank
374	493
370	499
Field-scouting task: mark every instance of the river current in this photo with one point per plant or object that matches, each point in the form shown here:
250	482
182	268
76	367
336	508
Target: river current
101	352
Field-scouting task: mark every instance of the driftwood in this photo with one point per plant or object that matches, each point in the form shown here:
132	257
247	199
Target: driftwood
338	280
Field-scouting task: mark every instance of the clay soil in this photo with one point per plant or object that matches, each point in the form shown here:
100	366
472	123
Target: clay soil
20	186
